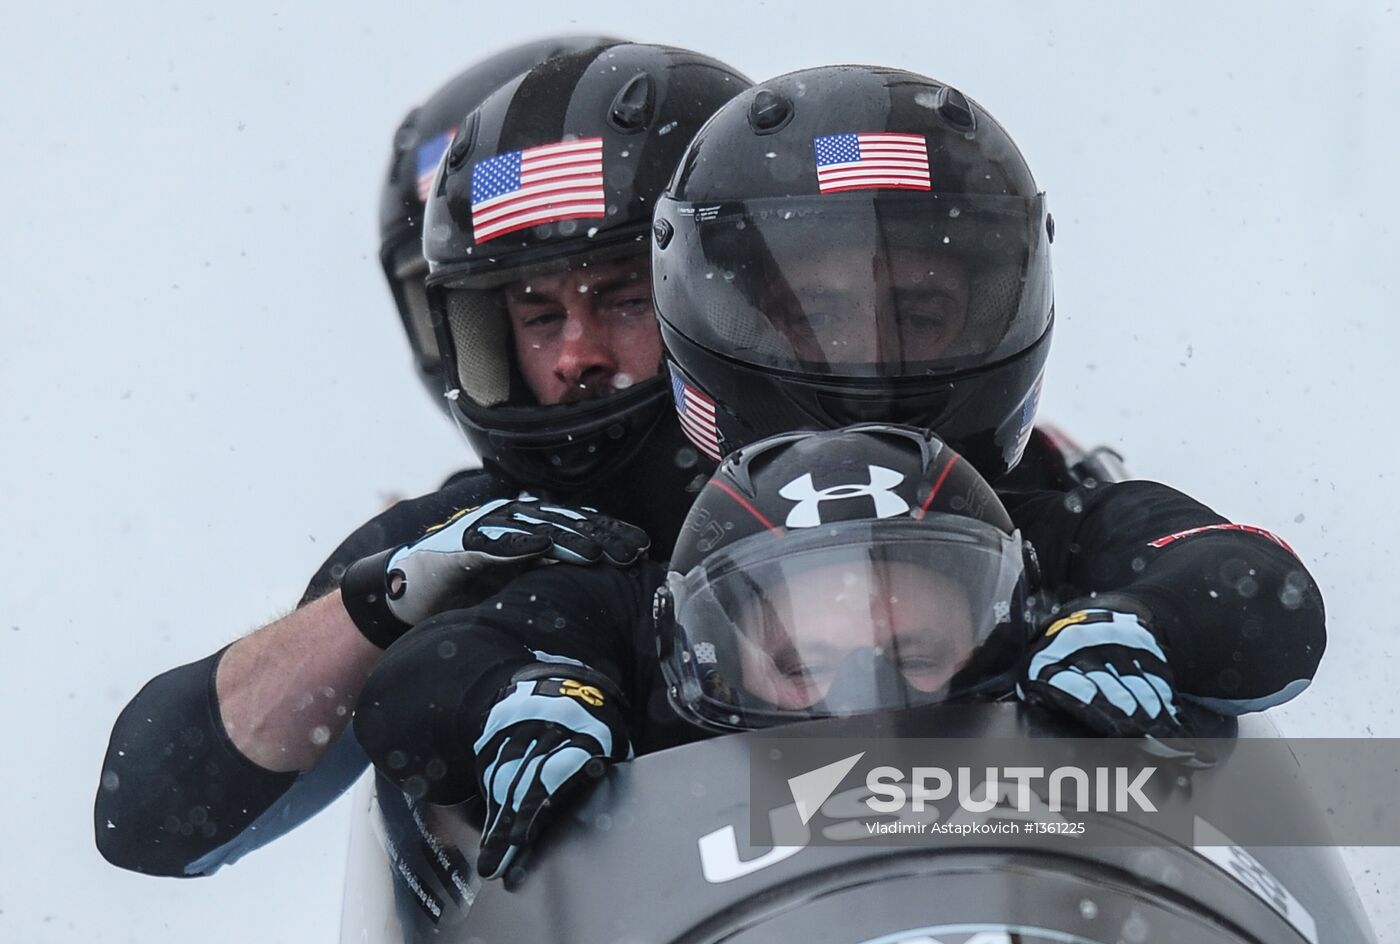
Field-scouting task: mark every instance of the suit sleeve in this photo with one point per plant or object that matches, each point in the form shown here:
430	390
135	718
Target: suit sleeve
1238	614
425	704
174	788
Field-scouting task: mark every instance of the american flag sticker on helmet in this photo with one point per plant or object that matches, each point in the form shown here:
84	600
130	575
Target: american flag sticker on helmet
1028	409
697	416
545	184
430	154
871	161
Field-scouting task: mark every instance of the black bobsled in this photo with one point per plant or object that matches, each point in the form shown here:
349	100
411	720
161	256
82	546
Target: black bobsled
654	854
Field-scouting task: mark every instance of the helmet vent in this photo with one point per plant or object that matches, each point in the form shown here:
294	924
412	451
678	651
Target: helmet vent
464	142
953	108
631	109
769	112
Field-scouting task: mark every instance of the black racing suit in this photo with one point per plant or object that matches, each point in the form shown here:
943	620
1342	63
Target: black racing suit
1237	614
178	798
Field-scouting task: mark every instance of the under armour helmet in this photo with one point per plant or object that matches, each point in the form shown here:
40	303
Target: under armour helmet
419	144
851	244
837	572
558	169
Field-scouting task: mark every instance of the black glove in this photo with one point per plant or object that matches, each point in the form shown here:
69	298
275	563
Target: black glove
543	739
473	554
1104	667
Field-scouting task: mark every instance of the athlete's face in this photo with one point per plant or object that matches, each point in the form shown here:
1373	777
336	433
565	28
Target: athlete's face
797	642
836	305
586	332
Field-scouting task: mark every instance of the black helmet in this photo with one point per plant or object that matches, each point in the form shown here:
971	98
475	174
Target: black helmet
556	171
853	244
841	571
419	144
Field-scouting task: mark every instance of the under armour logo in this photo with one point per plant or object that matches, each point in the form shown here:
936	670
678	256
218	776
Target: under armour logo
808	512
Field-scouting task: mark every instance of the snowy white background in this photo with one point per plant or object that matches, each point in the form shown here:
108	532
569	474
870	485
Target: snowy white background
203	386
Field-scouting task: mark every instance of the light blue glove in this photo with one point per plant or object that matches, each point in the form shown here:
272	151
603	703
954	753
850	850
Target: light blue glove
544	739
1105	668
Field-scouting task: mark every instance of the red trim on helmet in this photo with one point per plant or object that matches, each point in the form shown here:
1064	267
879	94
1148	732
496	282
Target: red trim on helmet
745	503
939	484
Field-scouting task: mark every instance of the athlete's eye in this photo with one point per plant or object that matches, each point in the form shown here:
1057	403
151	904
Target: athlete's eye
542	321
795	670
632	306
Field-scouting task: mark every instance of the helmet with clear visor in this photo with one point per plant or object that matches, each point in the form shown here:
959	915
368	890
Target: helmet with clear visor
852	243
833	573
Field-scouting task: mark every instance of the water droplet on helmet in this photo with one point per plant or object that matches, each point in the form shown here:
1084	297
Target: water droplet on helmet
1136	929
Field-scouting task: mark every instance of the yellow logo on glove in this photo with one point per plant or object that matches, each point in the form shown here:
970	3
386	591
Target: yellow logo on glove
455	516
584	693
1080	616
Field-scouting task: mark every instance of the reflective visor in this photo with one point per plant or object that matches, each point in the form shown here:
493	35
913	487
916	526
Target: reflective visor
856	617
862	284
